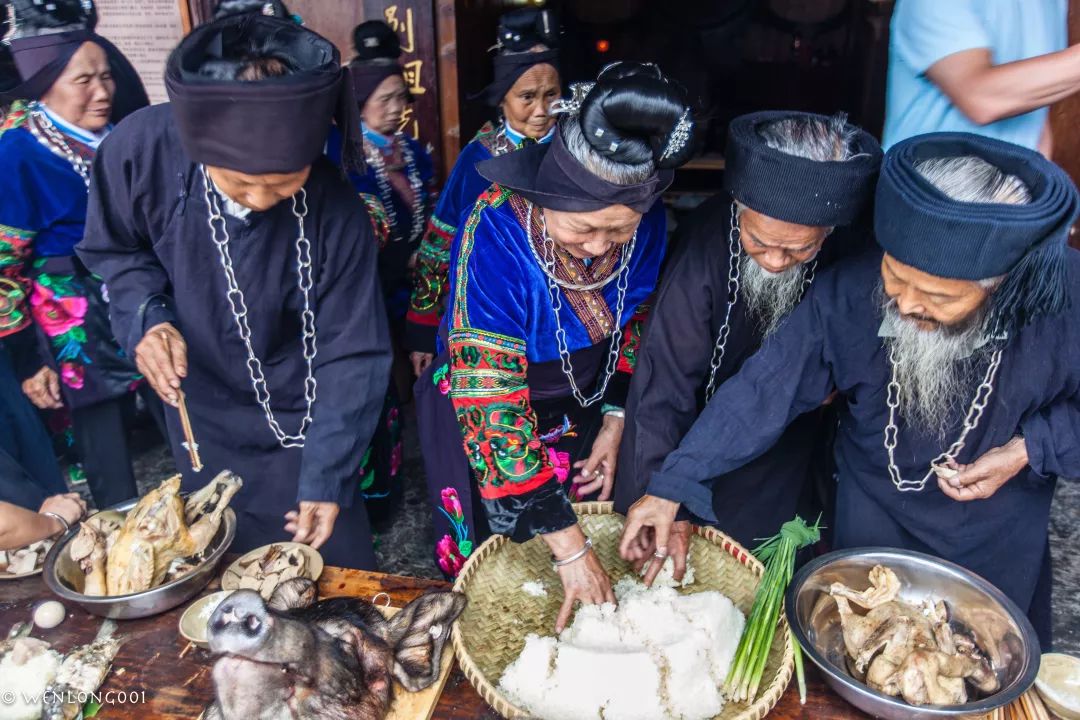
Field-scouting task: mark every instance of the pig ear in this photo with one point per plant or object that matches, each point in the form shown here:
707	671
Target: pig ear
297	592
418	635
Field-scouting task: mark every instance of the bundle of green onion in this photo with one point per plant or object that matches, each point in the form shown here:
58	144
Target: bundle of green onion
778	555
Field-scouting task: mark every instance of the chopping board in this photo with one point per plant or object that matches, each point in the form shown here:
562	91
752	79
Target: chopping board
419	705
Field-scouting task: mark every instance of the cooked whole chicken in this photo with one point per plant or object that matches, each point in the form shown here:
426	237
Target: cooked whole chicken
908	651
160	533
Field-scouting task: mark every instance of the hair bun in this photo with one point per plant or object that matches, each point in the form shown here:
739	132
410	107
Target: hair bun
375	40
521	30
635	114
271	8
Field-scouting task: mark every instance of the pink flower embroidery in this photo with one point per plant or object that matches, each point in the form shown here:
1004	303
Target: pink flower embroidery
444	386
451	503
561	462
56	315
73	375
450	559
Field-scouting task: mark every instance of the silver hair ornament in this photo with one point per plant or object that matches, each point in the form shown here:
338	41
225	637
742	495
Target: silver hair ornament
572	106
679	136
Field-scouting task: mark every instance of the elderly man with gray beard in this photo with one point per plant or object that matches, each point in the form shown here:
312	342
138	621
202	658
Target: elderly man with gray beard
957	356
741	264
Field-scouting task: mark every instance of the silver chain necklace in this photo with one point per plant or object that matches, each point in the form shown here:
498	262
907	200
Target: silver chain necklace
235	296
548	264
386	194
549	268
501	145
735	254
54	140
971	421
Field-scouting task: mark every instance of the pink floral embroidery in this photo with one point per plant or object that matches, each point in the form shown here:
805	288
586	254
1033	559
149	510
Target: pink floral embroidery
450	558
73	375
561	461
56	315
451	504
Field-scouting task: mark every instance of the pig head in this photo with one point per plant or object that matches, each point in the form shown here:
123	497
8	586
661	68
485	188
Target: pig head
297	659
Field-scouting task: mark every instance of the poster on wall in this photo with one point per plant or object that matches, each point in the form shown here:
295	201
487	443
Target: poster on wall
146	31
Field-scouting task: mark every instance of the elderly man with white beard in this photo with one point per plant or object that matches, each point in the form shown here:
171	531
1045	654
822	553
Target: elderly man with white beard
957	356
796	186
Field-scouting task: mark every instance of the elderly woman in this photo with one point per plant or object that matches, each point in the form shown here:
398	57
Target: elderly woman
53	312
398	189
526	84
546	275
399	171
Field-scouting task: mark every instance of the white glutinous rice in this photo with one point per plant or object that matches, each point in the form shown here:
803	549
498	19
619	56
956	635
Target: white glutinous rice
657	655
534	588
26	670
666	576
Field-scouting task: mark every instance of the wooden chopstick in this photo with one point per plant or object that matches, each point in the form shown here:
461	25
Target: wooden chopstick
189	435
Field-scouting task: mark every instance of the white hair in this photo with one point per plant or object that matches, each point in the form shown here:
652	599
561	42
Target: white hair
813	138
969	178
600	166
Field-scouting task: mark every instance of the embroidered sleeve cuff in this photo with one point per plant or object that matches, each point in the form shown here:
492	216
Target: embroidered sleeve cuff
695	497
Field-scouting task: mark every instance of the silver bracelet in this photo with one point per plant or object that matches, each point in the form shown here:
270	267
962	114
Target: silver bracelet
63	522
615	412
556	564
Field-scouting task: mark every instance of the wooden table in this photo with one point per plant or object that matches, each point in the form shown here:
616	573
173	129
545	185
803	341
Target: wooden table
171	681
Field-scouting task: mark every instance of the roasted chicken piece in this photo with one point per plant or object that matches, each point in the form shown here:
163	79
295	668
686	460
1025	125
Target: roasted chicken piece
884	587
88	550
922	681
160	533
907	650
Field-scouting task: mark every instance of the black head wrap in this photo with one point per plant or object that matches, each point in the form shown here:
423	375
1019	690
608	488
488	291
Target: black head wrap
795	189
519	32
43	39
273	125
377	51
921	226
509	68
632	115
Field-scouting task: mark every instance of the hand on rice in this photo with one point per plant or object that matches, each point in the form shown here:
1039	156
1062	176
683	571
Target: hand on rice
651	531
584	579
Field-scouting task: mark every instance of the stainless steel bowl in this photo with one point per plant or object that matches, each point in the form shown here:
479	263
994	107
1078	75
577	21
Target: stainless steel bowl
65	579
999	627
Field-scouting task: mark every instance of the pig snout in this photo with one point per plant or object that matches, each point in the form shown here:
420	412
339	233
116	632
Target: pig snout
240	624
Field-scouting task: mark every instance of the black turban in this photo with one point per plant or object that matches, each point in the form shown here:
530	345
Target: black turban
795	189
273	125
921	226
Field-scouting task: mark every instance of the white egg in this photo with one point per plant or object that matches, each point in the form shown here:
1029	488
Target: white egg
49	614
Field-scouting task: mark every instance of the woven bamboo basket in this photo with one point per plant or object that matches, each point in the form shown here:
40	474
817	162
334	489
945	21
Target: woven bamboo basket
491	632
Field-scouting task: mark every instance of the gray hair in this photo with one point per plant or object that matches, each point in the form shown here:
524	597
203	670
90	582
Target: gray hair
812	137
600	166
969	178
